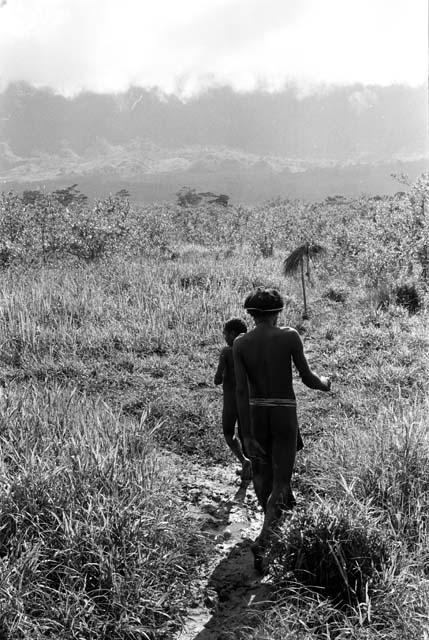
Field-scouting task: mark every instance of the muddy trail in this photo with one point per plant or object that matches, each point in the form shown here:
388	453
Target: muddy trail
229	593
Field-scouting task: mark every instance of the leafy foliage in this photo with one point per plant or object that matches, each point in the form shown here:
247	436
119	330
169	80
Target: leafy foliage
383	241
188	197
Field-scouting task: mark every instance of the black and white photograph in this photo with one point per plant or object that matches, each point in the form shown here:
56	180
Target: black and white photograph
214	320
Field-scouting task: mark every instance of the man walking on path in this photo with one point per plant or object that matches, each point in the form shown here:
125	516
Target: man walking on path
266	404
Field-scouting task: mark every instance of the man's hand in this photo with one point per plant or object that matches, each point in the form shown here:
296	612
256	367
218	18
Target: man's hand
253	448
327	382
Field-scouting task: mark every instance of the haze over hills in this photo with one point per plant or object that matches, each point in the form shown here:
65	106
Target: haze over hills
252	146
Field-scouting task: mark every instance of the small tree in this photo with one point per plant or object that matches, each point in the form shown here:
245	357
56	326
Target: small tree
70	196
295	261
122	193
188	197
221	199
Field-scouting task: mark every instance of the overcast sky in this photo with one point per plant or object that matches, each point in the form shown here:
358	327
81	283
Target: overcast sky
185	46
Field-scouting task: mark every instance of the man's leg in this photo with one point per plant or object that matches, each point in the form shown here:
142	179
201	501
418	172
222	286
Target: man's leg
262	472
262	481
261	463
283	427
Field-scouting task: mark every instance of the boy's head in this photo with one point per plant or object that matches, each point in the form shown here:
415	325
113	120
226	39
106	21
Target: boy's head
263	303
232	328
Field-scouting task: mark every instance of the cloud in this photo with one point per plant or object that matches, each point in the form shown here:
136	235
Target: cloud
185	47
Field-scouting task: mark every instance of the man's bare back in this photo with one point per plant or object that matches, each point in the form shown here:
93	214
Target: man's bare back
266	403
266	354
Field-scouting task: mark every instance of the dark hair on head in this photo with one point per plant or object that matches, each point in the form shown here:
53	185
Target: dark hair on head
235	325
263	302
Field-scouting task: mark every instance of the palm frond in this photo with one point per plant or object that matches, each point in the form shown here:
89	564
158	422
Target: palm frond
292	263
315	250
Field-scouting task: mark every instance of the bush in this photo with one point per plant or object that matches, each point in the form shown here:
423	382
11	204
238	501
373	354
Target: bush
336	550
398	610
195	280
407	296
337	292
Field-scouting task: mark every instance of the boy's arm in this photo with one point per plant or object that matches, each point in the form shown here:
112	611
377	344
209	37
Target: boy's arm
220	368
309	378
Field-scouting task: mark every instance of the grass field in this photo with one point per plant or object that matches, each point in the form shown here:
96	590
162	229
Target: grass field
108	365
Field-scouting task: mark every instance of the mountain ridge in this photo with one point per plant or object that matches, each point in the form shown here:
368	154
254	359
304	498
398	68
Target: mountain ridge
349	139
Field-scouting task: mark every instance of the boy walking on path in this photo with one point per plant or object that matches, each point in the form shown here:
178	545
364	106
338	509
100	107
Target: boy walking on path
225	375
267	406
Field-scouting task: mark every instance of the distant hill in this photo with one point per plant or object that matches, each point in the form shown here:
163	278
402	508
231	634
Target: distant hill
251	146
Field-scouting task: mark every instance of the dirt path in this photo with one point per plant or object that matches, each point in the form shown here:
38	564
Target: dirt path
229	592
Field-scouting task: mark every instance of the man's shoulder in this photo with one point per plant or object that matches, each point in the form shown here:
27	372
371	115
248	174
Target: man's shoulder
240	339
289	330
289	333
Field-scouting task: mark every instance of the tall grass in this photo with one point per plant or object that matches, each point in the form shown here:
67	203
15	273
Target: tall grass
92	542
105	364
144	335
386	460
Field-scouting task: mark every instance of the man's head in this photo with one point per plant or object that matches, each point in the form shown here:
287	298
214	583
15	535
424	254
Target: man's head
232	328
264	304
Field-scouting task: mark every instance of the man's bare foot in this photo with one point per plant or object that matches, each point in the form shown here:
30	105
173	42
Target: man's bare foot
257	550
246	471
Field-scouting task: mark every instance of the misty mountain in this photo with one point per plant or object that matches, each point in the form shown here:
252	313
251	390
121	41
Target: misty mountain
338	124
281	140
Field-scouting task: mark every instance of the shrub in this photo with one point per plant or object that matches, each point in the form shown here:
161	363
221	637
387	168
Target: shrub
95	232
195	280
336	550
407	296
337	292
399	609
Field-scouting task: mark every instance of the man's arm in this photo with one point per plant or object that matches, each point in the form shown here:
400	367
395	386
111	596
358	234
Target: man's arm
220	368
242	390
309	378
